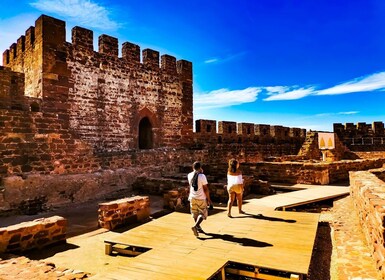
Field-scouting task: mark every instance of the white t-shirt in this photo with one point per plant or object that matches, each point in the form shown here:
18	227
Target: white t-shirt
202	180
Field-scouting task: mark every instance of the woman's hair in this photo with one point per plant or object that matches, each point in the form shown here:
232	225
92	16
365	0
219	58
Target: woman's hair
233	163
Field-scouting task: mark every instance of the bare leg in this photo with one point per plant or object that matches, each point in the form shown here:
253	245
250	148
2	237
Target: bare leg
239	202
230	203
198	221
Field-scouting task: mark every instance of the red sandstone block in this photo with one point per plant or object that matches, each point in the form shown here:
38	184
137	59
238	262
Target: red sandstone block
129	214
173	193
62	223
124	209
59	237
41	234
106	219
106	225
42	242
132	202
15	238
26	237
109	213
56	230
14	229
108	206
13	247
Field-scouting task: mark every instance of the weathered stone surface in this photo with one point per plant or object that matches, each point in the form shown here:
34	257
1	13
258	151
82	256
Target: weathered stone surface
34	234
362	137
123	211
367	192
19	267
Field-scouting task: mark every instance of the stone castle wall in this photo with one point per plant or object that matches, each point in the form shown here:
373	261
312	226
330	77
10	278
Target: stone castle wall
67	111
367	191
225	132
101	96
320	173
362	136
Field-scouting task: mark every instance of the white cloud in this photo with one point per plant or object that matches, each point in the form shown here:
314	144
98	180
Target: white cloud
362	84
373	82
335	114
287	93
225	59
348	113
225	98
84	12
212	60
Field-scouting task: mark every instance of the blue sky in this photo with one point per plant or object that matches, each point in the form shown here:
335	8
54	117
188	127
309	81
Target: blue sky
296	63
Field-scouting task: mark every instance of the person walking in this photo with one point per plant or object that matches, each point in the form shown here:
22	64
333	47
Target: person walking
199	196
234	186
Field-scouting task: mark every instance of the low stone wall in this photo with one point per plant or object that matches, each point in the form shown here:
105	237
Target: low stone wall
368	194
123	211
316	173
35	234
157	186
371	155
19	193
177	198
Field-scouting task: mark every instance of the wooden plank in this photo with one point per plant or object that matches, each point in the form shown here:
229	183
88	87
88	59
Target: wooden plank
302	197
265	238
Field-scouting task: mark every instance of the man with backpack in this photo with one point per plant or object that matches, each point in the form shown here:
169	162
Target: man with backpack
199	196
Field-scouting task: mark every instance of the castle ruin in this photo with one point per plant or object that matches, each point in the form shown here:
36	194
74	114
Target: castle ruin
78	123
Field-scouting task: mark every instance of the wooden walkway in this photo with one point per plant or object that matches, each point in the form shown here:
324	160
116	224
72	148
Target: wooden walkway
308	195
275	244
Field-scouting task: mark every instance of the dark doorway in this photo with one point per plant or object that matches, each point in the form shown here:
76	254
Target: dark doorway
145	134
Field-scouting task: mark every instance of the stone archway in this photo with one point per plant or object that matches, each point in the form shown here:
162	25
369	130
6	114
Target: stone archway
145	136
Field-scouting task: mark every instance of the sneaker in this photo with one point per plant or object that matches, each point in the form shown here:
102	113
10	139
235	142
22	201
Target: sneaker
199	229
194	229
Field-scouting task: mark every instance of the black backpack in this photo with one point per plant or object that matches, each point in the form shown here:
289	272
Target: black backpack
194	181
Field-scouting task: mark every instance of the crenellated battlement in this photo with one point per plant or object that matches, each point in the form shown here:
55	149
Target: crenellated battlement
90	90
51	31
83	38
361	129
232	132
361	136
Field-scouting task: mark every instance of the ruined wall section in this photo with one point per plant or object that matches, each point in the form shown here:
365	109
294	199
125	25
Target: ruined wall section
246	133
110	95
362	136
310	149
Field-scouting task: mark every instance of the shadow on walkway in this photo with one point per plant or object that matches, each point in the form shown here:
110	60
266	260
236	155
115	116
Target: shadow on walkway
262	217
49	251
241	241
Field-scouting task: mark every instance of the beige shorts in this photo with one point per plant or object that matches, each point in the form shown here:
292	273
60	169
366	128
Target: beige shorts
238	189
198	207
